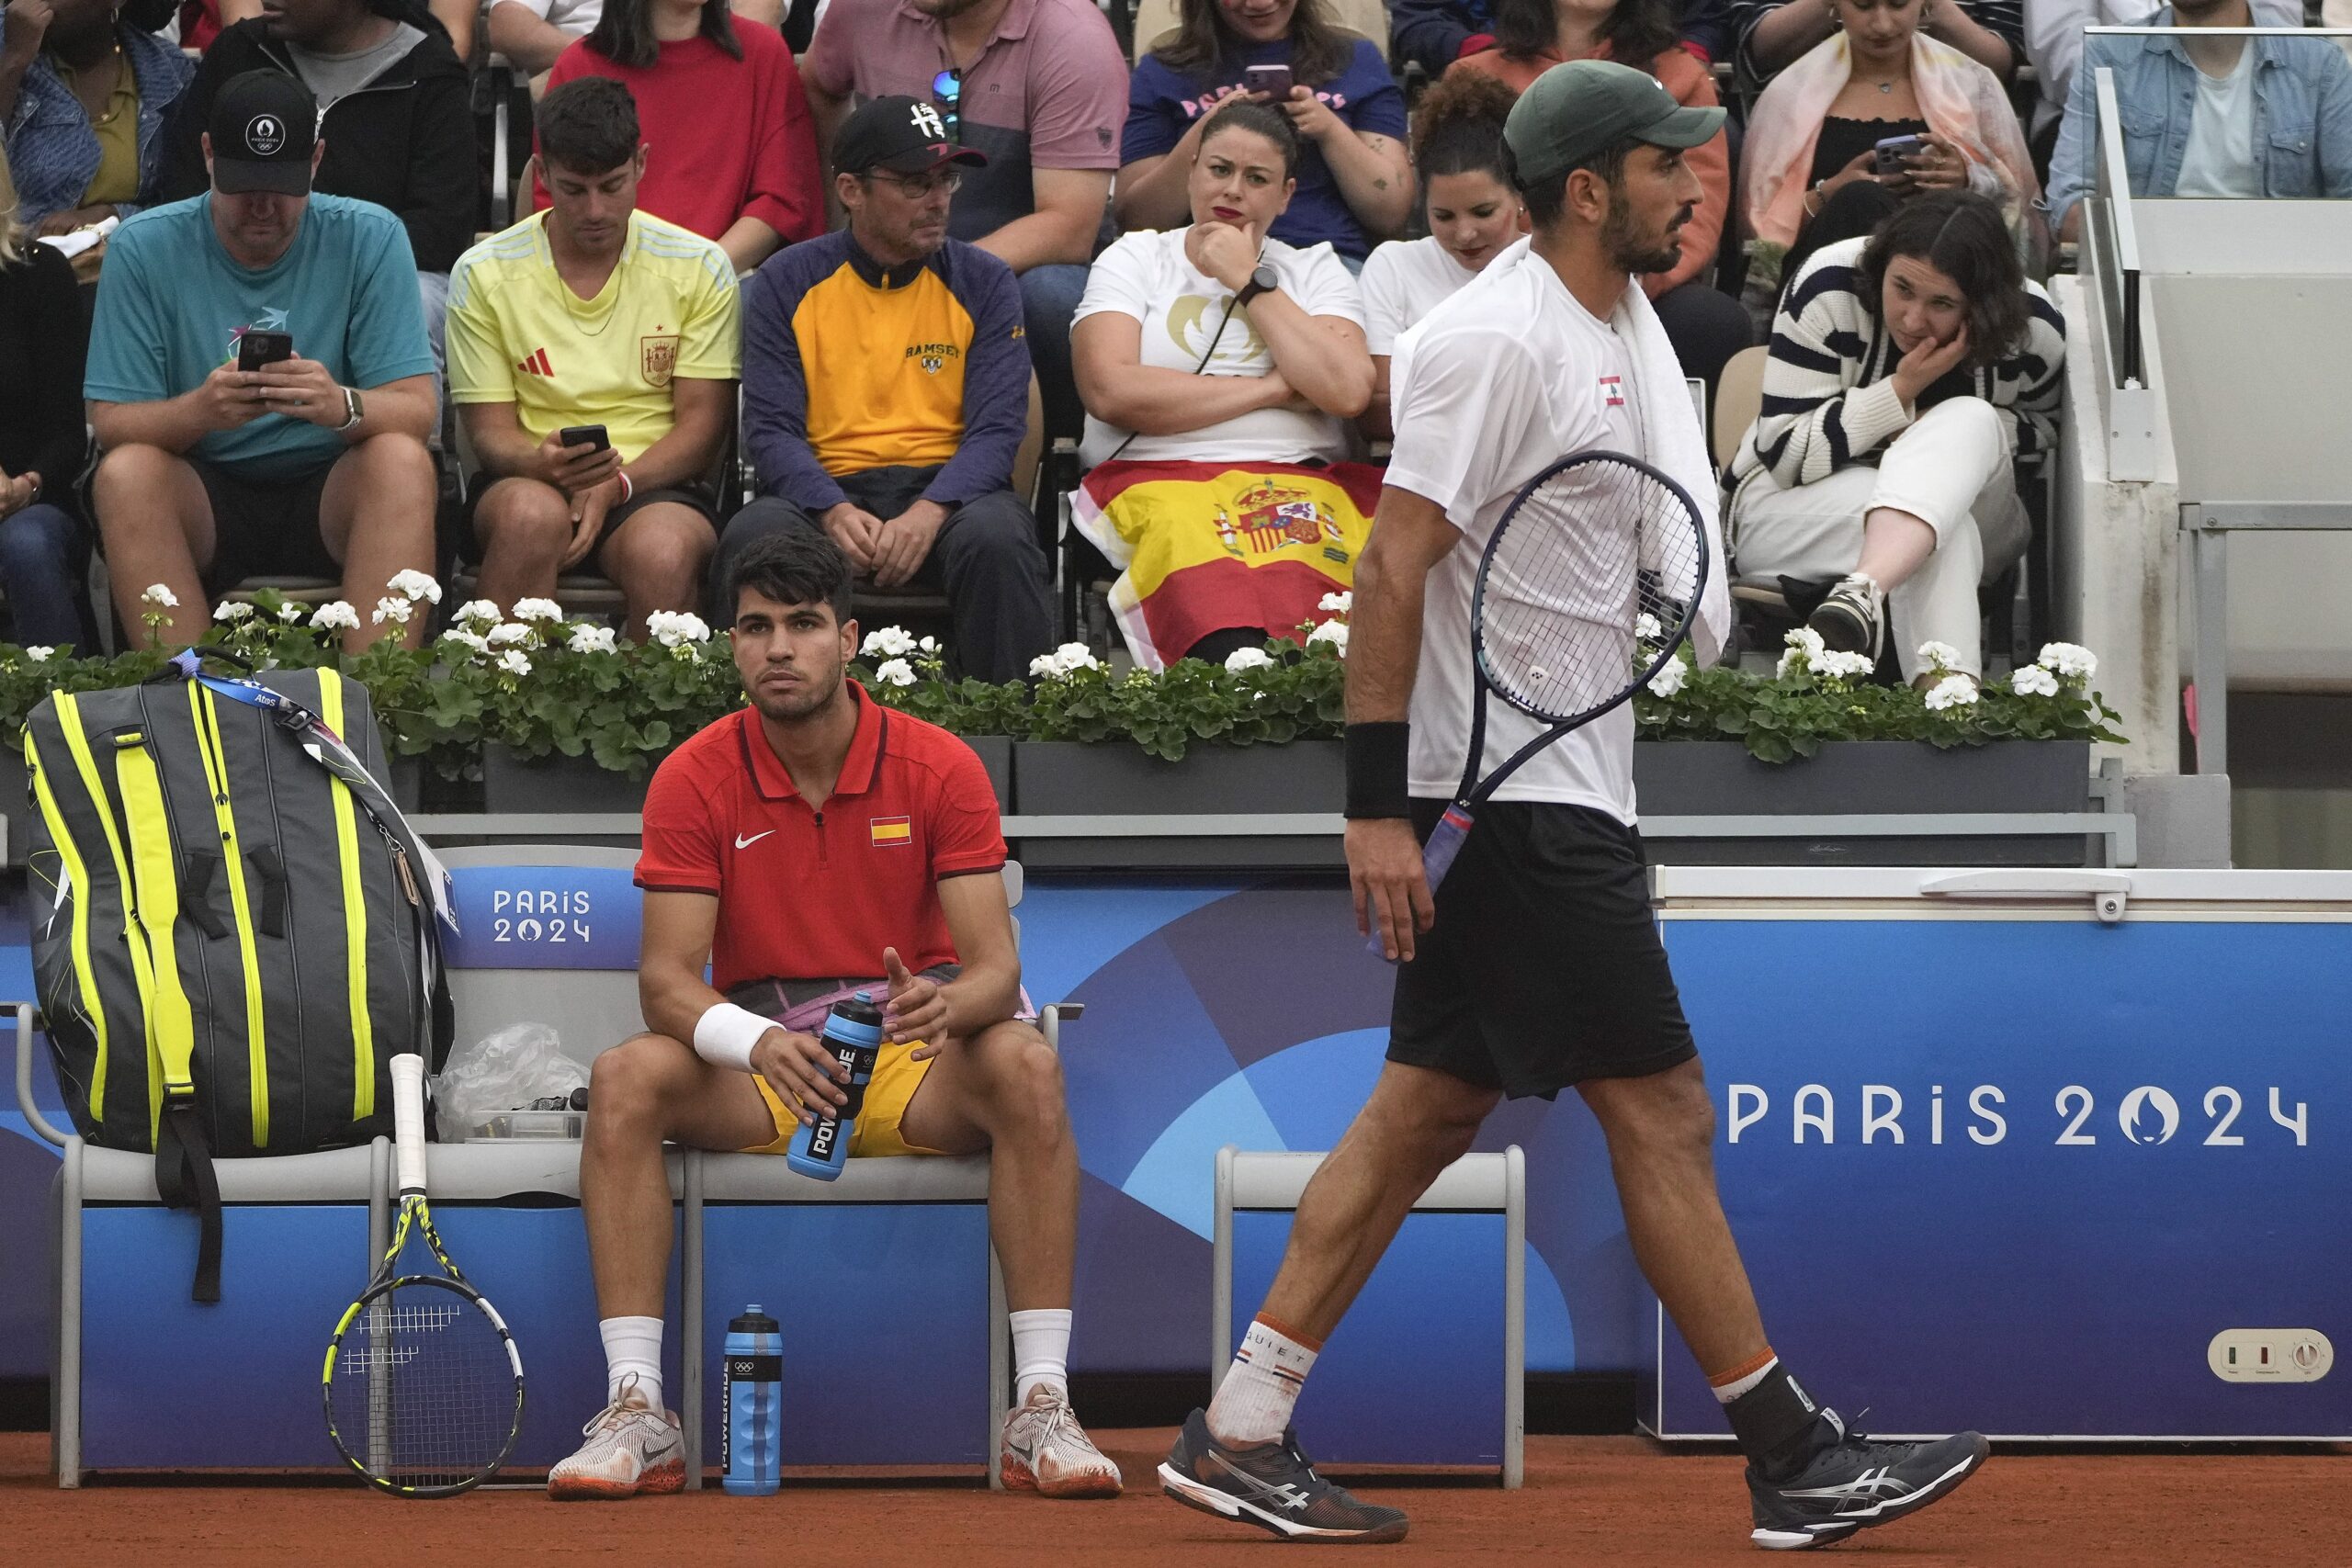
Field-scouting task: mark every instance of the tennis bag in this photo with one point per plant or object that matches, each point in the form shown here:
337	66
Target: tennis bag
234	929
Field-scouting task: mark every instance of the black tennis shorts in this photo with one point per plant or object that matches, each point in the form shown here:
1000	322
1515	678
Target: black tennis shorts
1545	968
265	527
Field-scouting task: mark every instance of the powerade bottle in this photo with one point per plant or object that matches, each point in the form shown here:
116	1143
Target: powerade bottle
853	1028
751	1389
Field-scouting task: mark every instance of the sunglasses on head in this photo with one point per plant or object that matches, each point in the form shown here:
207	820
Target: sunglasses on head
947	95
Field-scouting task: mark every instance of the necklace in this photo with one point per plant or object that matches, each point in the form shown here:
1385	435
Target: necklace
1886	86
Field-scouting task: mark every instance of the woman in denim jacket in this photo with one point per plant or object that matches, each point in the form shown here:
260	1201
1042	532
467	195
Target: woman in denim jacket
82	96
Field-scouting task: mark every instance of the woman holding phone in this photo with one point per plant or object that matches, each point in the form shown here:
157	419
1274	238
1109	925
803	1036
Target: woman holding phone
1355	183
1812	171
1908	373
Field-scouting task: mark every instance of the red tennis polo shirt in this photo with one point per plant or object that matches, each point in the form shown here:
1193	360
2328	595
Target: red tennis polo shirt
804	894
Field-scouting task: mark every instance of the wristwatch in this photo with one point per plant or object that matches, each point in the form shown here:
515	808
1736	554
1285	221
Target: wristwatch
353	410
1265	280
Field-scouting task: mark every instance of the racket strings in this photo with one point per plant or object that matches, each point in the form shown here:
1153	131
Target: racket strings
423	1389
1590	581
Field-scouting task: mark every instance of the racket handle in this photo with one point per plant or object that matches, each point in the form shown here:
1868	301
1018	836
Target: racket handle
408	1121
1437	858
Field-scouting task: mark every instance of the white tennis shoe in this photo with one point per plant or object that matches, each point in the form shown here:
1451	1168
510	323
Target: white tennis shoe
1046	1452
631	1449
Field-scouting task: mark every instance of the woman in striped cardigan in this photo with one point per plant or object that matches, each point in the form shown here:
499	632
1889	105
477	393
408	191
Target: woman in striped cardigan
1907	371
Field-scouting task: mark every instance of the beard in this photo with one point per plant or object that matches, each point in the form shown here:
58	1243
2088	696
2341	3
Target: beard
1629	249
945	10
811	700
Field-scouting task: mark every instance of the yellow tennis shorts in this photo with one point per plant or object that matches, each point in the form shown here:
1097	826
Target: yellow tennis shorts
897	1076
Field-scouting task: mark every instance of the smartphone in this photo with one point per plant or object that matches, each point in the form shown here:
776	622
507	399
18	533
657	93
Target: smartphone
1893	150
257	349
583	435
1274	81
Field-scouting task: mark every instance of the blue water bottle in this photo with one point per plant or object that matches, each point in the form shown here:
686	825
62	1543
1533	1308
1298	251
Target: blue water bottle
853	1031
751	1389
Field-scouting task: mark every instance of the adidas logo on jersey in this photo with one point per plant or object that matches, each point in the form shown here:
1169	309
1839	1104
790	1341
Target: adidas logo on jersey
537	365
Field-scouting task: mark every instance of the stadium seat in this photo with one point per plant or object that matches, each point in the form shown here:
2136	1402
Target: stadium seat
1398	1395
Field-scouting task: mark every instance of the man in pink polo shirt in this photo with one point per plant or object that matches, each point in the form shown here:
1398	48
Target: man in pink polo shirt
1039	86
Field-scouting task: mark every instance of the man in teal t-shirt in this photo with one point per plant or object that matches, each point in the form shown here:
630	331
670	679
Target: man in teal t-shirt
313	465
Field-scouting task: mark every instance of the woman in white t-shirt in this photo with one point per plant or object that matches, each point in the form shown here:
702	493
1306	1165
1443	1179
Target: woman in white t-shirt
1215	346
1475	214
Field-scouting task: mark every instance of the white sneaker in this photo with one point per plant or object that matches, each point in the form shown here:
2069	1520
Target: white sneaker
1046	1452
631	1449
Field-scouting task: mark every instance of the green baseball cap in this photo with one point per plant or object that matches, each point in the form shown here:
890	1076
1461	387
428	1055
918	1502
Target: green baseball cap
1578	108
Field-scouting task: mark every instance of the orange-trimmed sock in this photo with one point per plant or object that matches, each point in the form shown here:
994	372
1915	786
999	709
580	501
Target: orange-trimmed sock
1729	1385
1254	1402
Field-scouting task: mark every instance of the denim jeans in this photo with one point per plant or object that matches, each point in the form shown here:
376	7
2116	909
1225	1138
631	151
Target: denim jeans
42	550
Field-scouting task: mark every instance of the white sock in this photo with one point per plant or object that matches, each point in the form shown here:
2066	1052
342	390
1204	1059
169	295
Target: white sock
1040	1352
1254	1402
632	1345
1739	1383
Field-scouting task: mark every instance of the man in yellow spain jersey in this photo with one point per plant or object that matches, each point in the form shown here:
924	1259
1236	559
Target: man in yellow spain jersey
594	351
886	390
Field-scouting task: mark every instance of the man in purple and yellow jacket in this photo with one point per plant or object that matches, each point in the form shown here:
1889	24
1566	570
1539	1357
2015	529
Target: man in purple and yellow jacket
885	392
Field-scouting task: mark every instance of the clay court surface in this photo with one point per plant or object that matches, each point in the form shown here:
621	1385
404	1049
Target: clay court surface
1589	1500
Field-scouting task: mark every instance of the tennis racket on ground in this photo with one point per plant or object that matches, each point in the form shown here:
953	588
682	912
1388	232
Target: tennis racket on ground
1585	588
423	1384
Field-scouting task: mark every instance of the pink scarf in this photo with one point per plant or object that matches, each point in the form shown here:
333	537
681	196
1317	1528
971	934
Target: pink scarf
1958	98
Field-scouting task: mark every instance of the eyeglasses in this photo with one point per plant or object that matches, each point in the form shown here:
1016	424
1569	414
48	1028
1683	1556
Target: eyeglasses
922	186
947	94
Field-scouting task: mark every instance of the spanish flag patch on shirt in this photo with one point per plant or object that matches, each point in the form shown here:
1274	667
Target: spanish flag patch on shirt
892	831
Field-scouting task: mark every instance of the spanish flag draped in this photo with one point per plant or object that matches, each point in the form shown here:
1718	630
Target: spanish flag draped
1205	545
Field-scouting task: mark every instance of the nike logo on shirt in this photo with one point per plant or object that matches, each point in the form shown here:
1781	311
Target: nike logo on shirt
743	843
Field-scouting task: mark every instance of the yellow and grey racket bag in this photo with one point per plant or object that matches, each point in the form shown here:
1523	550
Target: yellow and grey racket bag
232	928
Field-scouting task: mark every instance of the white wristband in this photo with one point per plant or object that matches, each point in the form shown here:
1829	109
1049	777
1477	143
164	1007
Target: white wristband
725	1034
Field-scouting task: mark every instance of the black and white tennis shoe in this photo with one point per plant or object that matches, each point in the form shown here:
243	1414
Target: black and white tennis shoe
1272	1488
1858	1483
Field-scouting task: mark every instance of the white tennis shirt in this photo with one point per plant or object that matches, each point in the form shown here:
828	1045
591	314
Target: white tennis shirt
1493	387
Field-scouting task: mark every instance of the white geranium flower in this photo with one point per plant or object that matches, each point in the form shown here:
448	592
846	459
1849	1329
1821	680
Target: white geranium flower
38	652
1246	658
514	661
1333	632
1843	666
2070	659
230	611
290	612
471	641
1938	655
591	639
1805	649
478	610
396	611
160	597
929	647
1951	692
1338	603
513	634
336	615
1068	660
675	629
890	642
895	672
538	610
413	585
2033	680
1646	628
1670	677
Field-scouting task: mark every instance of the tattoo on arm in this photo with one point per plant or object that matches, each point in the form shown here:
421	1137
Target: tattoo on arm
1380	185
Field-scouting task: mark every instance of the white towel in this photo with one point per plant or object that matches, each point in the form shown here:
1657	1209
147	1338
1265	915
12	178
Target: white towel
1678	449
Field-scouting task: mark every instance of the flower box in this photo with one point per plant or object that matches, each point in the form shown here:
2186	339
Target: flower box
1069	778
1848	778
511	782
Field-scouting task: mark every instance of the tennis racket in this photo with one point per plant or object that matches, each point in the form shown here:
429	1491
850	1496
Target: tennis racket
1586	588
423	1384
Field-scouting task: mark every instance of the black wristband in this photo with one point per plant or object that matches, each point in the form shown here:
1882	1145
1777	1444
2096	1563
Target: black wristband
1377	783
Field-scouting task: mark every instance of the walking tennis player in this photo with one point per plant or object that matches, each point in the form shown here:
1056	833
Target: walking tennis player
1537	967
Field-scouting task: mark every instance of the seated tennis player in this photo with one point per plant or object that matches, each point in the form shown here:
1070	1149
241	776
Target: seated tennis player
808	846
